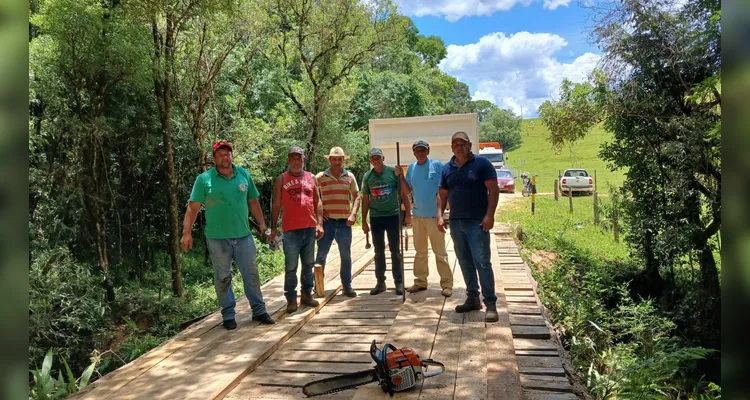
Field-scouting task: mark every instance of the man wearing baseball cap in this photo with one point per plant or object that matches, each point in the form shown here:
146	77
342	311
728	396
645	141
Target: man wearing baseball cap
227	192
340	197
296	193
422	181
469	184
379	191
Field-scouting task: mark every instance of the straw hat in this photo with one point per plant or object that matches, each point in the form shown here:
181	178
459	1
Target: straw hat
337	152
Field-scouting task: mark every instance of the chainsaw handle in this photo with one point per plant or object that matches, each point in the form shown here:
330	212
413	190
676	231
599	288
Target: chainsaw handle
432	371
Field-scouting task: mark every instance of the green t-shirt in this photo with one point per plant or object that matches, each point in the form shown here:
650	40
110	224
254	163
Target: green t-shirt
225	200
382	191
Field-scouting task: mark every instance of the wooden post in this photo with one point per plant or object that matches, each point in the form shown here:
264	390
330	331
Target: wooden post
533	193
596	207
557	193
595	186
400	221
570	199
615	216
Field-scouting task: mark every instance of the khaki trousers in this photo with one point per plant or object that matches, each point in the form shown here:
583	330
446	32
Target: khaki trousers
424	228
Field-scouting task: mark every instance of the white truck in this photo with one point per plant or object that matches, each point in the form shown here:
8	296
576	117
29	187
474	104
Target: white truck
495	155
435	130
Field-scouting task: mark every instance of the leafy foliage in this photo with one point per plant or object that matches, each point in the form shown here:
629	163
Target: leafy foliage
501	126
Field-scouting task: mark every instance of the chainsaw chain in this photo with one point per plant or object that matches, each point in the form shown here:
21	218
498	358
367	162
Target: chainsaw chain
340	389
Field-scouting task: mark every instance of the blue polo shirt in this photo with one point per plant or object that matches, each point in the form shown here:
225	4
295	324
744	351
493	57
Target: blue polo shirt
424	181
467	194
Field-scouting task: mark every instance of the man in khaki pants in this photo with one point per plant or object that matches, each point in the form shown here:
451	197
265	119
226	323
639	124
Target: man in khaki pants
422	180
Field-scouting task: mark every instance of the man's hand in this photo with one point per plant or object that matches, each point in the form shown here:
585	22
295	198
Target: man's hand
351	220
365	227
441	224
487	223
407	220
271	239
319	232
399	171
186	243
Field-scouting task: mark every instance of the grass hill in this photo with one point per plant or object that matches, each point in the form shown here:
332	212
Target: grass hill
535	155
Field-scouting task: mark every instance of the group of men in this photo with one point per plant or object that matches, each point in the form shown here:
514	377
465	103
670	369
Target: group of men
323	207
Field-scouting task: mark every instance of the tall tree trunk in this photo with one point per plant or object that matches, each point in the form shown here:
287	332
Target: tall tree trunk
164	59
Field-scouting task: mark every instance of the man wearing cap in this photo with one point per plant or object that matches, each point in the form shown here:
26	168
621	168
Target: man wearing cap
296	192
227	191
469	184
379	191
422	181
339	190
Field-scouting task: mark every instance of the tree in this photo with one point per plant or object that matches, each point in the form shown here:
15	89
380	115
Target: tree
483	108
319	44
501	126
431	49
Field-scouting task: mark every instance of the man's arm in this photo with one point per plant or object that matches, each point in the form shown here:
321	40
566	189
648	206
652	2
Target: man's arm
405	187
276	205
257	212
494	194
318	209
186	243
442	201
365	211
407	208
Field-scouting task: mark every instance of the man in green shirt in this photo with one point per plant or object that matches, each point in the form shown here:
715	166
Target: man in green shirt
227	191
379	191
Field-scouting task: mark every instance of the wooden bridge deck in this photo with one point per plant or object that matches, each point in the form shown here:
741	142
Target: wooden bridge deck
511	359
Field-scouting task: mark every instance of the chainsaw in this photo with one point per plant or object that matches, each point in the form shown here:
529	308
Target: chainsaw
395	370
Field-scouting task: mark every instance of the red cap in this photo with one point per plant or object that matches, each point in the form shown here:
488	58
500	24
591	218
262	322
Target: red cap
222	143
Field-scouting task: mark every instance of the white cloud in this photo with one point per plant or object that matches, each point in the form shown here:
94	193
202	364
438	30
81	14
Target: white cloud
453	10
519	71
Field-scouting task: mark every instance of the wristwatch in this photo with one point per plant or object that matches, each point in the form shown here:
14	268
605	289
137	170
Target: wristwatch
267	232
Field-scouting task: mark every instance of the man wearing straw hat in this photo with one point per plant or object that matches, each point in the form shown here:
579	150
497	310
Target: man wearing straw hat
379	191
339	191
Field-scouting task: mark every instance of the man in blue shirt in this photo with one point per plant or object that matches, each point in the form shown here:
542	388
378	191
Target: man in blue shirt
469	184
422	181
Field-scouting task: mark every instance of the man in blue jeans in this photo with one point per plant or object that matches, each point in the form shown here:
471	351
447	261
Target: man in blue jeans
227	191
469	184
338	189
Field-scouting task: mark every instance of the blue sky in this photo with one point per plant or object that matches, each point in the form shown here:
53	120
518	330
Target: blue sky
511	52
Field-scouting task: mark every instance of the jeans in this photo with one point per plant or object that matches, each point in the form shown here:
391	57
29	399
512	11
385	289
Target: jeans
337	229
472	245
242	251
299	244
424	228
379	227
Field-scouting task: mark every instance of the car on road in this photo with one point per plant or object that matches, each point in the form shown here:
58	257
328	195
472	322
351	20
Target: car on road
576	180
505	180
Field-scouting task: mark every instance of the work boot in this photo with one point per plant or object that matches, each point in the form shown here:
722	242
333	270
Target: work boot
414	288
229	324
291	306
264	319
491	314
400	289
349	292
379	288
447	292
308	300
469	305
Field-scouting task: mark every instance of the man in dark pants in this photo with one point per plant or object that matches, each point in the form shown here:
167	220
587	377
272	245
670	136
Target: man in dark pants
469	183
379	191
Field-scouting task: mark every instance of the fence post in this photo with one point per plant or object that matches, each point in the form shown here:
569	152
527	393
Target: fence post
533	193
615	216
557	193
570	198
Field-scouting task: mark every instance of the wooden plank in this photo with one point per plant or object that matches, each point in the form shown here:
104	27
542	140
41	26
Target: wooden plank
329	330
282	378
339	338
332	368
534	320
356	314
530	332
521	300
351	322
542	395
325	346
534	344
503	377
548	385
311	355
543	371
537	353
542	362
546	378
515	308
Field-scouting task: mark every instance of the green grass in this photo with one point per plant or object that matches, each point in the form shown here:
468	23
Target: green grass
552	219
536	156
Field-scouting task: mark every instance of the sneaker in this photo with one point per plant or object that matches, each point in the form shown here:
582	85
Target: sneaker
415	289
264	319
308	300
379	288
400	289
349	292
469	305
229	324
291	306
491	315
447	292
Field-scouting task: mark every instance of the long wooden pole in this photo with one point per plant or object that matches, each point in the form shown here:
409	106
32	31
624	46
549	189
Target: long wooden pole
400	233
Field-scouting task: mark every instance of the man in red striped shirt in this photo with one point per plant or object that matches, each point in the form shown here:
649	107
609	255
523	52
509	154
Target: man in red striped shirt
339	190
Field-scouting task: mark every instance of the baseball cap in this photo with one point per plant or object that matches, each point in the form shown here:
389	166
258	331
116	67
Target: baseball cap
222	143
460	135
296	150
420	143
375	152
